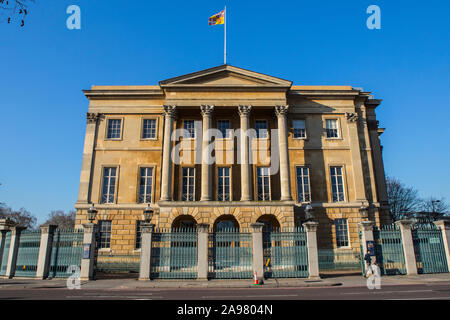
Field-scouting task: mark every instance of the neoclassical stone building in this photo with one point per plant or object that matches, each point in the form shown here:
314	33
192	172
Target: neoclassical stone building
305	144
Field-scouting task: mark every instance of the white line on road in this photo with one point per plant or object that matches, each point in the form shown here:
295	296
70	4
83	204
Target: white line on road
383	292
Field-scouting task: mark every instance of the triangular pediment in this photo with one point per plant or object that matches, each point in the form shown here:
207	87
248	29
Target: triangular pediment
226	76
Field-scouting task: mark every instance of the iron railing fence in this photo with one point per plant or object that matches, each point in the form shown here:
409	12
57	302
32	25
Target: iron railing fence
67	250
286	253
28	253
339	260
429	249
389	250
108	262
230	254
174	254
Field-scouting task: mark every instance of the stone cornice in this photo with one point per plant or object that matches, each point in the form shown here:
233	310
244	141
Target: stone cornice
123	94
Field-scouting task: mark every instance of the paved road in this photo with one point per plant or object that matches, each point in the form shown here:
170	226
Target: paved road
439	291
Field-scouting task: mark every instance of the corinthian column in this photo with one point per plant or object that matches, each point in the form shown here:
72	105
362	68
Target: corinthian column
166	176
285	181
244	113
207	112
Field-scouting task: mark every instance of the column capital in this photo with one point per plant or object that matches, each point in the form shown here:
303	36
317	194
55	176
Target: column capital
17	229
48	228
281	111
311	226
170	111
203	228
92	117
366	225
352	117
404	223
244	111
207	111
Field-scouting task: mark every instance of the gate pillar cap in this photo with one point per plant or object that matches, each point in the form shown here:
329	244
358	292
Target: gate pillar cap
257	226
89	227
203	227
147	228
48	228
405	223
6	224
311	226
443	223
366	225
18	229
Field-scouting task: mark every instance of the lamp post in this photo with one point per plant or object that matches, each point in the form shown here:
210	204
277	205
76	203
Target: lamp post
309	210
92	213
148	214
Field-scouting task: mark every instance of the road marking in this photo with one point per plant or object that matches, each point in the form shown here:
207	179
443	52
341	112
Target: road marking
383	292
254	296
437	298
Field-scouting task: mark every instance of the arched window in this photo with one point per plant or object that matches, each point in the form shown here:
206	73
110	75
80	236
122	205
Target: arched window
184	221
225	222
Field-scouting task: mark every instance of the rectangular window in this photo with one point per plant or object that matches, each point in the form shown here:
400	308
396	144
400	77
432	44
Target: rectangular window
149	129
337	184
109	185
138	234
223	185
261	127
299	129
145	185
114	127
332	128
341	232
189	130
303	188
104	227
188	192
224	127
263	183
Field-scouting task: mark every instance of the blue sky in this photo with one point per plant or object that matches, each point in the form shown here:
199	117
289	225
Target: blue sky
44	67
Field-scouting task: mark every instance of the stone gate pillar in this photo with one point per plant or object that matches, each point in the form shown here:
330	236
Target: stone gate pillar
258	249
89	246
202	256
146	251
13	250
45	251
444	225
408	246
311	243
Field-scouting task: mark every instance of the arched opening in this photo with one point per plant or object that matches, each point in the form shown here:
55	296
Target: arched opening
184	221
270	222
225	222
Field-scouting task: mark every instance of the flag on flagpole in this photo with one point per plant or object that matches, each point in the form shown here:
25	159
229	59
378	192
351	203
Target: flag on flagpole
218	18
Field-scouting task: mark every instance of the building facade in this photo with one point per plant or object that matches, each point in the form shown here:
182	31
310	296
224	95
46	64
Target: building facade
229	147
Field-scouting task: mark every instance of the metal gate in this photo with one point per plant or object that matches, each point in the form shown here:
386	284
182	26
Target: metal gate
5	254
230	254
285	253
389	250
67	250
174	254
339	260
28	253
429	249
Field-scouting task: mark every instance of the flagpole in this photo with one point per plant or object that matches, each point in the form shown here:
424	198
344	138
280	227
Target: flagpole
225	36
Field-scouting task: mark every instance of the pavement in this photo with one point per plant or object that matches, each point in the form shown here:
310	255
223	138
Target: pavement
329	280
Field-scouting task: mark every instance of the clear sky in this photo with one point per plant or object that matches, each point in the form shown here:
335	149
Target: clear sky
44	67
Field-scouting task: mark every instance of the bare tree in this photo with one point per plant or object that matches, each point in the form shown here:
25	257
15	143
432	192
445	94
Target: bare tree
403	200
61	219
431	209
14	11
20	217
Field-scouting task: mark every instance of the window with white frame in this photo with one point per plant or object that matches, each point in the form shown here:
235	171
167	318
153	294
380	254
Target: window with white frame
303	187
332	128
224	126
337	184
145	185
188	184
261	127
109	185
114	128
104	227
149	129
299	129
223	184
263	183
341	226
189	129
